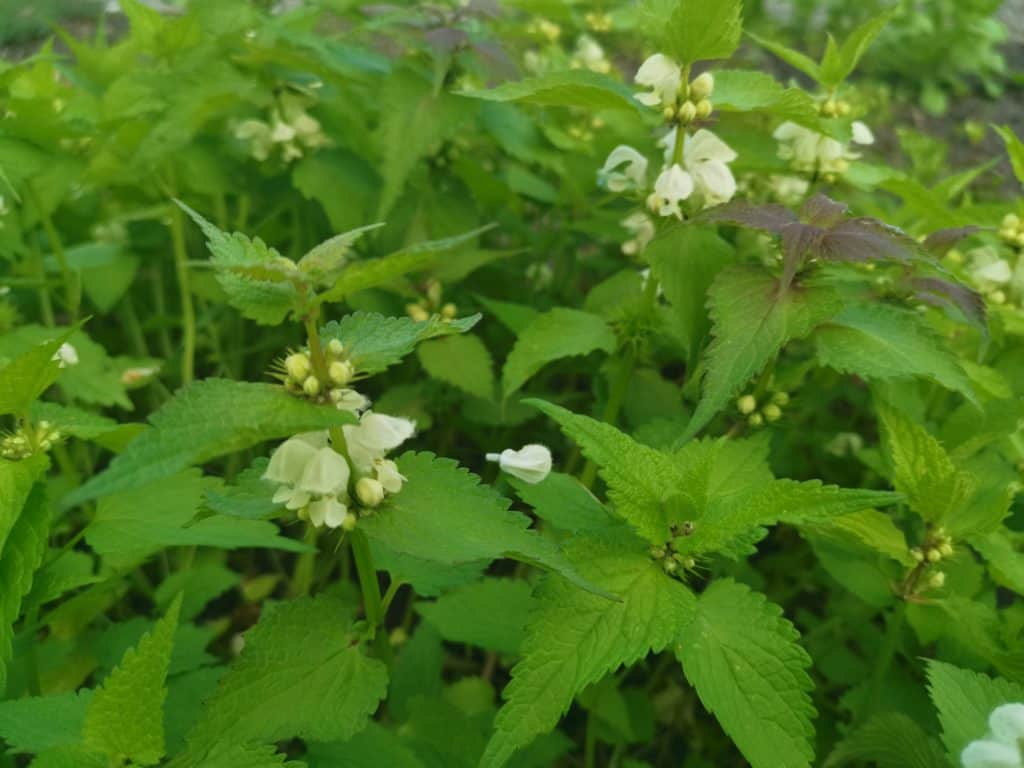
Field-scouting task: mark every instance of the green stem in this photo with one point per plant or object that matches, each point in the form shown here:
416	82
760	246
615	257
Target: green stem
32	660
367	574
302	576
45	303
590	743
188	317
893	628
72	290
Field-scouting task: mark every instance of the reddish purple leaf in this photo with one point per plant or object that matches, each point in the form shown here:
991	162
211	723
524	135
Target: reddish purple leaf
823	211
945	295
942	240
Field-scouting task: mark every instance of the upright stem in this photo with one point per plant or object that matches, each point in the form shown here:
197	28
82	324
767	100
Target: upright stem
302	576
45	303
72	290
367	579
188	317
893	628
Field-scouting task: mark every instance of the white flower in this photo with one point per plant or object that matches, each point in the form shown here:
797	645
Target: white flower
590	55
531	463
989	271
374	436
672	187
663	76
326	474
861	133
388	475
705	157
328	511
349	400
289	461
641	227
809	150
789	190
1001	748
624	169
65	356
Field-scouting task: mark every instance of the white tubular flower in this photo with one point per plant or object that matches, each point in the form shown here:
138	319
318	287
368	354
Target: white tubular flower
349	400
706	157
328	511
531	463
663	76
590	55
326	474
988	271
66	356
672	187
388	475
624	169
257	133
861	133
641	227
1001	748
808	150
374	436
291	458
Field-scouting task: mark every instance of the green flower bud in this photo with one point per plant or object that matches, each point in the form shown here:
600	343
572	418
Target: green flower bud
369	491
1011	221
350	522
747	404
687	112
448	311
997	297
311	386
933	555
335	348
946	549
755	420
702	86
917	555
340	372
772	412
670	566
668	112
781	398
297	365
937	580
704	109
657	552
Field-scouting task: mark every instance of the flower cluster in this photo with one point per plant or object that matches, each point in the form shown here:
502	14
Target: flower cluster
29	440
319	480
990	273
290	129
296	371
1003	745
811	152
1011	229
431	303
675	563
770	410
590	55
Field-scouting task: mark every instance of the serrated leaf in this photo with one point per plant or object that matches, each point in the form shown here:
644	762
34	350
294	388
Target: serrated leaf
575	639
124	720
556	334
490	613
373	747
73	421
641	480
250	272
374	342
875	530
440	497
462	361
205	420
22	553
302	674
964	700
694	30
565	502
889	740
370	273
569	88
753	318
16	481
794	58
248	756
749	670
839	62
877	341
1014	149
39	723
738	90
26	377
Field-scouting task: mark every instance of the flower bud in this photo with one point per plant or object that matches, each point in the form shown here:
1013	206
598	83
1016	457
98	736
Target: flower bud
946	549
843	107
755	420
917	555
747	404
704	108
369	492
335	348
448	311
657	552
311	386
687	112
954	256
670	566
830	108
1011	221
340	372
933	555
417	313
937	580
772	412
702	86
997	297
781	398
297	366
668	112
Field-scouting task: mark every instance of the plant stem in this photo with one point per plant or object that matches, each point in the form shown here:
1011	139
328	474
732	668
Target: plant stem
45	303
188	316
893	628
302	576
72	290
367	574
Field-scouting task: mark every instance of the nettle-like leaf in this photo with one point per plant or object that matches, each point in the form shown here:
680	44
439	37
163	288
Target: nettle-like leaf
302	674
964	700
754	316
749	670
125	718
564	502
490	613
889	740
205	420
462	361
739	90
1014	148
693	30
374	342
440	498
574	639
25	377
878	341
554	335
40	723
571	88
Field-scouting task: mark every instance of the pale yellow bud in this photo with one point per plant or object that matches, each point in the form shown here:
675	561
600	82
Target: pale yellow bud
997	297
755	420
369	492
746	404
297	366
687	112
340	372
937	580
704	109
781	398
772	412
335	348
668	112
311	386
917	555
417	313
448	311
946	549
1011	221
933	555
702	86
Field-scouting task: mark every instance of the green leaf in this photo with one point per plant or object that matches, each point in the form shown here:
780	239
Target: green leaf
558	333
205	420
440	498
877	341
923	472
875	530
248	756
753	318
302	674
16	481
739	90
73	421
374	342
964	700
27	376
563	501
837	64
1014	149
125	719
1005	560
794	58
255	277
373	747
694	30
570	88
38	723
889	740
21	555
490	613
574	639
462	361
641	481
370	273
750	671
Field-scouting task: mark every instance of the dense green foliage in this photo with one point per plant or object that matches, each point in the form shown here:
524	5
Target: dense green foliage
355	410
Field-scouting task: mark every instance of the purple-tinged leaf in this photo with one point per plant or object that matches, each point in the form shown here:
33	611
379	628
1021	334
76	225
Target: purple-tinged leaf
773	218
822	211
940	241
865	239
945	294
